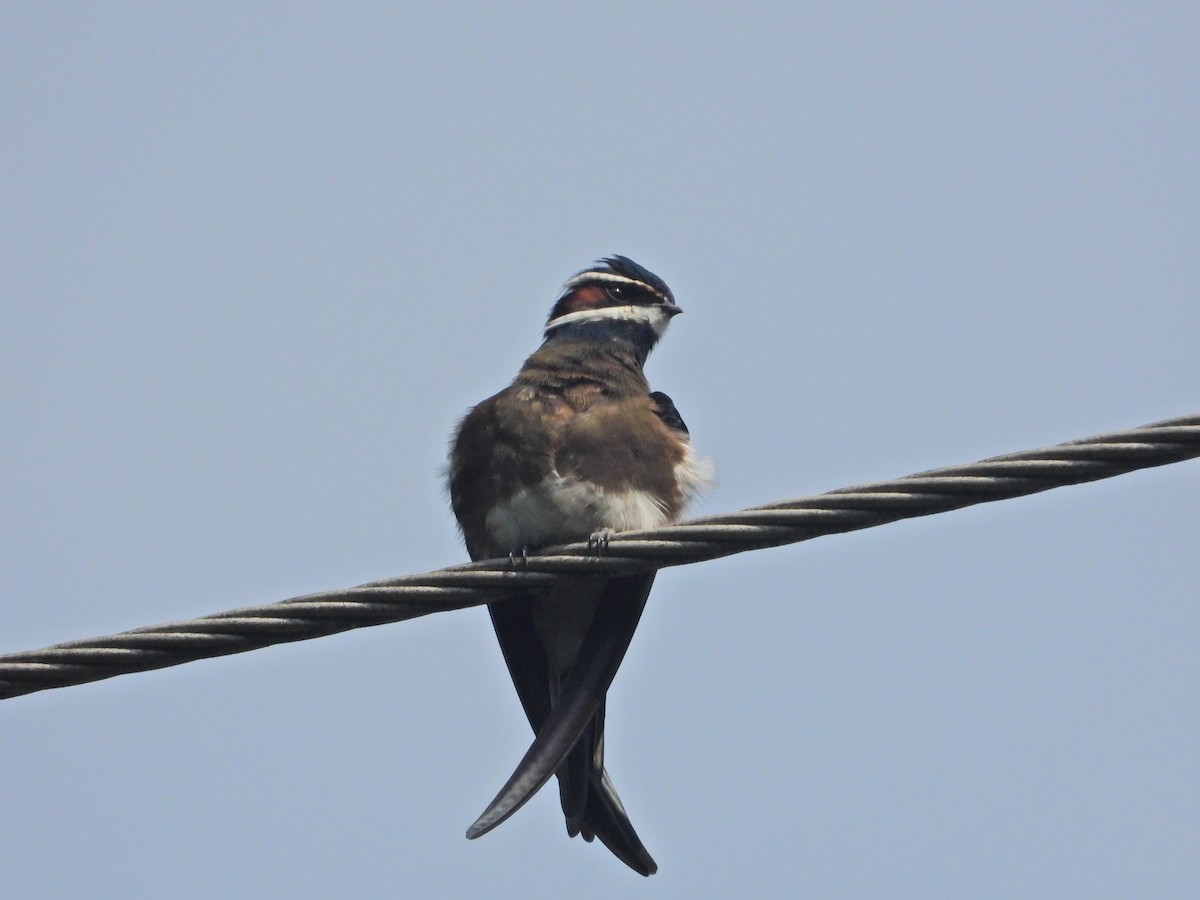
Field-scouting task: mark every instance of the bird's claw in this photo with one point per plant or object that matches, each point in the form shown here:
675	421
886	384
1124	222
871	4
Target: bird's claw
519	560
598	541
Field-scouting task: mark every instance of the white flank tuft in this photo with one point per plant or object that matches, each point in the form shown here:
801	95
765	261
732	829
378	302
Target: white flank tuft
694	474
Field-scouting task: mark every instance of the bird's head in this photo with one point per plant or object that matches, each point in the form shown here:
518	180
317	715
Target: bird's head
615	294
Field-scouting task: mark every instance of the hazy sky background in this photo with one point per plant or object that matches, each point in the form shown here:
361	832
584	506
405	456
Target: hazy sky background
257	260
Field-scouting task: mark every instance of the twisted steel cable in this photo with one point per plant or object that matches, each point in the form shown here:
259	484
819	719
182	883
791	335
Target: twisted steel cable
457	587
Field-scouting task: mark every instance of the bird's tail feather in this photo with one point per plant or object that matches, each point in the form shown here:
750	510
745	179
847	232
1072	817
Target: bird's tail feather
583	692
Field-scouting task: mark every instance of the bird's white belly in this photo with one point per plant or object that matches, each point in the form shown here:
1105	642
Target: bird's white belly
561	510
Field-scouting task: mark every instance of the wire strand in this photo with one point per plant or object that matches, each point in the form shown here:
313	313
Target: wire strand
711	537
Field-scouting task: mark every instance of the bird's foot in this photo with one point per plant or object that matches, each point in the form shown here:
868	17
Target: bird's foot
598	541
519	560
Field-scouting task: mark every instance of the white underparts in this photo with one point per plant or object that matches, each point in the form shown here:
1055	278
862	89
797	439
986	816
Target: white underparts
656	317
561	510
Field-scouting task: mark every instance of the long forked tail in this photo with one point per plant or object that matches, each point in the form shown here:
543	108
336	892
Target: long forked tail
608	821
596	664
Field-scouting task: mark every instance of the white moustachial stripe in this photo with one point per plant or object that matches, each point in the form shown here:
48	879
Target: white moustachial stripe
657	317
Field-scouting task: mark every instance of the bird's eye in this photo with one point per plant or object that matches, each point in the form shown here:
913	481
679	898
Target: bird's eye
615	292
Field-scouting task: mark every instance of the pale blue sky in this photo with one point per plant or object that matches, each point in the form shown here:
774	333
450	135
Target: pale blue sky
255	263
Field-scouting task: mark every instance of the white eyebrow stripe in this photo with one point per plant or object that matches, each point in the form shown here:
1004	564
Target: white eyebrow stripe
654	316
603	276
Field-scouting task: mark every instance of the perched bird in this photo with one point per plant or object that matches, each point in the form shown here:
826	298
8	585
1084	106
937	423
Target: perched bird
577	447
